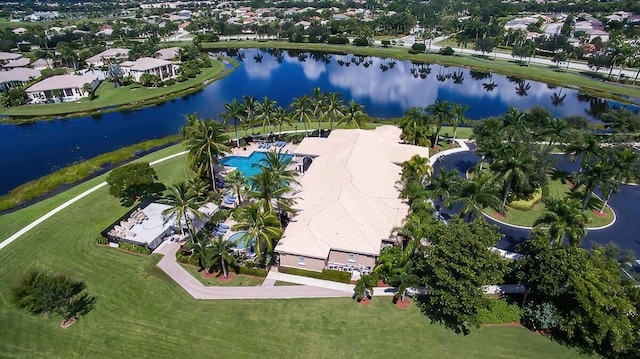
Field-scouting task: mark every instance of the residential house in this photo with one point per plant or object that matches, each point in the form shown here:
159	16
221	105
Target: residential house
62	88
147	65
8	56
168	54
41	64
349	206
42	15
17	77
21	62
107	57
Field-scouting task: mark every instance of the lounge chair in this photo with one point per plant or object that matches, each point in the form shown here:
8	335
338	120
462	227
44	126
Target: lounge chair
224	226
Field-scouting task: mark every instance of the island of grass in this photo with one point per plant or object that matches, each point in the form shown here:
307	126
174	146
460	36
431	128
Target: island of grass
137	300
542	73
526	214
109	98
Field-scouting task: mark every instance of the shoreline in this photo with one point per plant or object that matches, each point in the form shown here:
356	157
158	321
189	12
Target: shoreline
26	119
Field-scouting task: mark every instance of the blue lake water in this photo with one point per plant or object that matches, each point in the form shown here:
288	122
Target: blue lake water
385	87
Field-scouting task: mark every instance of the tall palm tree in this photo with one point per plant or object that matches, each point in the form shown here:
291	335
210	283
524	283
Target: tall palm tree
333	107
514	165
586	146
183	207
514	122
206	143
222	255
280	118
301	110
262	227
457	117
563	218
414	129
200	189
249	105
441	112
238	183
266	112
417	168
354	116
234	112
317	105
404	278
277	164
445	185
478	193
594	175
268	191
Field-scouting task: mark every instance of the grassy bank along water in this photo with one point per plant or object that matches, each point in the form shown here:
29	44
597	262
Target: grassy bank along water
110	99
541	73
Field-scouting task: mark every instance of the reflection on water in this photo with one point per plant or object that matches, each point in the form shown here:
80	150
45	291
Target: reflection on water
386	88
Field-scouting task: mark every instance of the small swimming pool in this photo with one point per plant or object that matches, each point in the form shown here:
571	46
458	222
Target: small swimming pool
235	238
246	164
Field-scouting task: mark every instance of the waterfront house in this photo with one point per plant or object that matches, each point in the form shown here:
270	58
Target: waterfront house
62	88
17	77
147	65
108	57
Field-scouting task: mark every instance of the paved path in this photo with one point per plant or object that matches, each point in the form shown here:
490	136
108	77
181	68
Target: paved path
66	204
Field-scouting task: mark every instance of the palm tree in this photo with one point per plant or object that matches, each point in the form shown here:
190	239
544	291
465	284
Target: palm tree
249	106
236	181
364	286
205	142
234	112
276	164
594	175
478	193
445	185
317	105
183	207
441	111
333	107
404	278
222	254
203	253
262	227
301	110
514	122
200	189
354	116
266	112
562	219
417	168
413	125
267	189
457	117
586	146
514	165
280	117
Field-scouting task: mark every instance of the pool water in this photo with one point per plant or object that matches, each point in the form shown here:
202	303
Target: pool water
245	164
233	239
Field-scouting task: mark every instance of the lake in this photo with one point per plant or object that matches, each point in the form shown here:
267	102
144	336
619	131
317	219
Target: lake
385	87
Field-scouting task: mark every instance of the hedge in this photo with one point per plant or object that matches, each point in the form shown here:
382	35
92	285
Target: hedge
526	204
252	271
497	311
134	248
327	274
102	240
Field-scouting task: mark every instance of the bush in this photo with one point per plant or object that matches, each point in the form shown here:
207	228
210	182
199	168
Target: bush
360	41
131	181
499	311
386	43
182	258
169	82
542	316
252	271
42	293
327	274
447	51
418	47
338	40
134	248
102	240
526	204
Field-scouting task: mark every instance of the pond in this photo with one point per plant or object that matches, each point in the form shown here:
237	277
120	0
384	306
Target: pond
385	87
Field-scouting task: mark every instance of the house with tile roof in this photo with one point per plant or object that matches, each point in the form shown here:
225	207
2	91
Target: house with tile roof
107	57
147	65
17	77
62	88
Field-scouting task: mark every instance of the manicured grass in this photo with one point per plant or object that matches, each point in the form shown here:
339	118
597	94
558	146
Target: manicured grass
140	312
238	279
534	72
557	190
281	283
108	96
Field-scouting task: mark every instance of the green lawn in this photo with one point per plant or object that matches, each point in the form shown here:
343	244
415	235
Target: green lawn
107	95
140	312
281	283
534	72
557	190
238	279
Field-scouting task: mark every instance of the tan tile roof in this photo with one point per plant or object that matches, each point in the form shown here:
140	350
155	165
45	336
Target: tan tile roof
108	54
147	63
19	74
62	82
349	200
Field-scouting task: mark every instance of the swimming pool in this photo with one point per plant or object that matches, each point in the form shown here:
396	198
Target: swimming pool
245	164
234	238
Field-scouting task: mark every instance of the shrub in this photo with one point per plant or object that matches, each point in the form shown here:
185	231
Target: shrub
182	258
386	43
447	51
102	240
170	82
42	293
327	274
527	204
134	248
499	311
418	47
542	316
252	271
360	41
338	40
